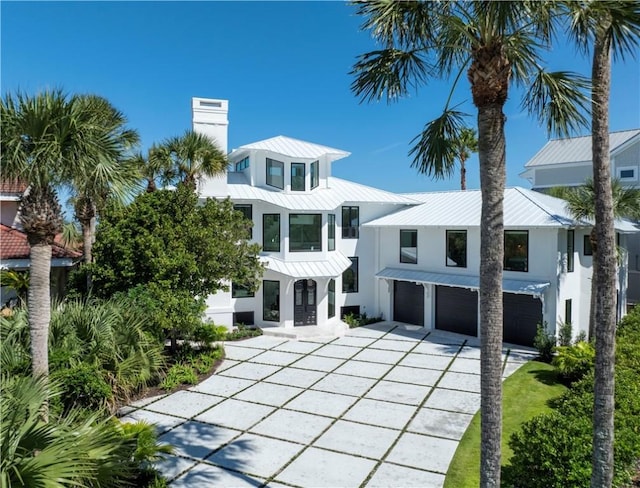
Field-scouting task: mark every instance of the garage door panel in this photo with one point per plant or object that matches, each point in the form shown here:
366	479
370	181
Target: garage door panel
522	314
457	310
408	303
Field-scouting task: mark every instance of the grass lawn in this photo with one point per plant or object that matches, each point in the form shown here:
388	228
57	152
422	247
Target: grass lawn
525	394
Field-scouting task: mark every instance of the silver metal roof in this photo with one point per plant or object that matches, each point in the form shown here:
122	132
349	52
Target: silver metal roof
339	191
576	149
525	287
331	267
522	208
295	148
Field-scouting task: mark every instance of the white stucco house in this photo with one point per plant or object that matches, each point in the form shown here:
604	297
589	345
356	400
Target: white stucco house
332	246
567	162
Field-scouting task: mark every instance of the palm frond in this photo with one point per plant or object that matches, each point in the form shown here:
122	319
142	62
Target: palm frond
435	149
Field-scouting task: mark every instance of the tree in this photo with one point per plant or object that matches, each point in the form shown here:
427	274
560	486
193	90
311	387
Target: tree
170	253
190	157
496	43
47	140
581	204
155	165
610	26
109	176
466	143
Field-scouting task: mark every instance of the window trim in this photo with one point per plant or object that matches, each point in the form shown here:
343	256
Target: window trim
331	298
315	174
238	206
241	165
304	183
331	232
571	249
504	264
269	164
587	238
319	216
627	168
466	248
354	265
264	235
348	230
264	288
568	311
402	258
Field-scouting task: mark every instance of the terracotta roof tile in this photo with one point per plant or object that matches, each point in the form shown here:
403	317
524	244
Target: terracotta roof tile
13	186
14	245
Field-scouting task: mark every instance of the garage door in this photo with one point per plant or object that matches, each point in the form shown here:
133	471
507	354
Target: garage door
457	310
522	314
408	303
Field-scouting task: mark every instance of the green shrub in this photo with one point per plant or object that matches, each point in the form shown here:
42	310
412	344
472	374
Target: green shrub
83	386
243	332
544	343
179	374
573	362
565	334
354	320
207	333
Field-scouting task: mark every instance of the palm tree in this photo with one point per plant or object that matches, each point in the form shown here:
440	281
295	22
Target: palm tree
466	143
42	139
611	26
496	43
109	176
156	165
190	157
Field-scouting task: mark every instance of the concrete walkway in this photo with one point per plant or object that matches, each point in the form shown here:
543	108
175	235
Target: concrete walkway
383	406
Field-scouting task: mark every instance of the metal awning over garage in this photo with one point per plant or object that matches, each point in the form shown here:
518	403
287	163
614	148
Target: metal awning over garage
535	288
331	267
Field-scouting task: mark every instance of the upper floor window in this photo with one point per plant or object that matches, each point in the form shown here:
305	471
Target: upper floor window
350	222
271	232
239	291
570	248
331	232
350	277
247	211
457	248
628	173
305	232
409	246
516	250
297	176
588	250
242	164
315	174
275	173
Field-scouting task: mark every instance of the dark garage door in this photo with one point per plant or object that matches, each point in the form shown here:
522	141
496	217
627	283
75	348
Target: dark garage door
457	310
522	314
408	303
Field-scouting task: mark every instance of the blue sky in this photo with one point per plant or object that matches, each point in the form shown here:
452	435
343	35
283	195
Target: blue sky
282	65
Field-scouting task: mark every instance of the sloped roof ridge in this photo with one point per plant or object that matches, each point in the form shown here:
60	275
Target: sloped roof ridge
349	182
281	137
528	194
589	135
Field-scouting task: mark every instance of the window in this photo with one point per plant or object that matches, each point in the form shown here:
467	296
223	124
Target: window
331	312
628	173
305	232
315	174
271	232
239	291
297	176
567	312
516	250
409	246
350	222
244	318
271	301
588	250
247	211
570	248
457	248
242	164
350	277
275	173
331	232
349	310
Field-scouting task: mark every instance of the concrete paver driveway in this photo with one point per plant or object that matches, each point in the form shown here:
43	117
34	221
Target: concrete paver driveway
383	406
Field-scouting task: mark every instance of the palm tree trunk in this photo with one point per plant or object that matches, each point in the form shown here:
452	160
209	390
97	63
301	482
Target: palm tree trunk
605	265
594	296
39	307
492	177
463	175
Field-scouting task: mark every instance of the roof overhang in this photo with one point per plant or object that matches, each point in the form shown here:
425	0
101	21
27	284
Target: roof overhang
26	263
523	287
331	267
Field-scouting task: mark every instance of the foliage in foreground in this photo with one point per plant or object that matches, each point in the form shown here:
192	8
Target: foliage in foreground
358	320
554	450
73	449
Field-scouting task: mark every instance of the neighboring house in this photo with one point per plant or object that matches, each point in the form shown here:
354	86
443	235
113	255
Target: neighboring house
333	247
14	248
567	162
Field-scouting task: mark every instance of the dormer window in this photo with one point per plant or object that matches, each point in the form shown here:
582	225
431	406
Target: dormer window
242	164
275	173
315	174
297	176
